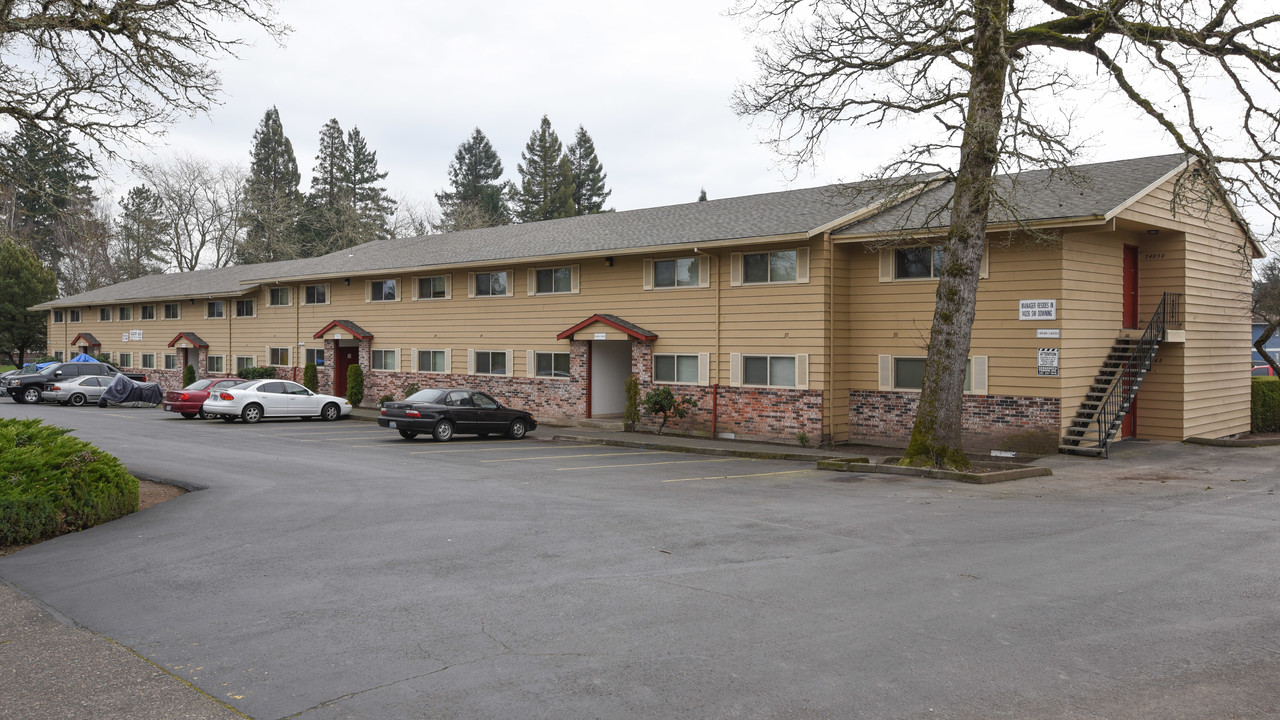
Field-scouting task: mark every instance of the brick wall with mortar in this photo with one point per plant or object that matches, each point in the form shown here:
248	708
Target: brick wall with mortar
885	417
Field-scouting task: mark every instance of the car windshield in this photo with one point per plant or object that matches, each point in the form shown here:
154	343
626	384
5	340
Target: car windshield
199	384
430	395
49	371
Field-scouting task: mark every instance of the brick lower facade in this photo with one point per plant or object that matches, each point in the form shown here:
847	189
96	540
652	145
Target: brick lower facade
885	417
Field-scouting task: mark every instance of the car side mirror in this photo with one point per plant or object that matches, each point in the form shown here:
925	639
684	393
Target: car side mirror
57	373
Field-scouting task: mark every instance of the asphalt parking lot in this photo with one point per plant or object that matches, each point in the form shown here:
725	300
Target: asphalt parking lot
334	570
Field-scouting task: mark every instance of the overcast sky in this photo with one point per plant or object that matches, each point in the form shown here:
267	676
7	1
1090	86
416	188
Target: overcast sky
650	80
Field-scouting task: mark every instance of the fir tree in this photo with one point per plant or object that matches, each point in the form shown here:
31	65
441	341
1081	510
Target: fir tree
589	193
702	196
477	197
273	203
372	206
24	281
546	178
138	241
329	220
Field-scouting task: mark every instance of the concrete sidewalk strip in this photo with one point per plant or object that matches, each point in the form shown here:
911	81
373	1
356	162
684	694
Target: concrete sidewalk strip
49	669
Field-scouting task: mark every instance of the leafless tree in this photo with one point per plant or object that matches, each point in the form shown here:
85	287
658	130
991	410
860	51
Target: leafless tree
994	75
84	240
114	71
202	209
1266	308
411	218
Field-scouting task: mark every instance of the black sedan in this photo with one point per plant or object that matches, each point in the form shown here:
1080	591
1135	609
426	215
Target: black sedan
445	412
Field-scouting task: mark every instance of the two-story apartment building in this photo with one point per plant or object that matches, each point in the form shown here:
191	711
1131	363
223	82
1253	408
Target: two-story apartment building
797	311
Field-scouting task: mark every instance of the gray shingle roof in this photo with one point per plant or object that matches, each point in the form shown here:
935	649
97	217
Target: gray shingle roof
197	283
1039	195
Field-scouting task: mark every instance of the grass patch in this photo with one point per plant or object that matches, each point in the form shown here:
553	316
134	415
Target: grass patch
52	483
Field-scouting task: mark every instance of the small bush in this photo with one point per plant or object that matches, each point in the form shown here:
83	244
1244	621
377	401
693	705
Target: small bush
385	399
257	373
310	378
355	385
103	358
631	412
188	375
1266	405
661	401
52	483
802	439
411	389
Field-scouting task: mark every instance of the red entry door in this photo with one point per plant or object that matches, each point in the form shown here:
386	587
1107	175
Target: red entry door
1130	299
346	357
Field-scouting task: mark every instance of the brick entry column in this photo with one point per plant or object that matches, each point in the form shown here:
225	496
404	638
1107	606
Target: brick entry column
324	373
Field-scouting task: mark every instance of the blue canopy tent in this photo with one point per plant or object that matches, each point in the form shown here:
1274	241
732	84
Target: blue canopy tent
83	358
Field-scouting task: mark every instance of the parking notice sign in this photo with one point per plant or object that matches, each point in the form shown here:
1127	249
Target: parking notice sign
1047	362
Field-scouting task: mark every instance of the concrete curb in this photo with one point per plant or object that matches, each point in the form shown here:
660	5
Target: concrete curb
1228	442
976	478
697	450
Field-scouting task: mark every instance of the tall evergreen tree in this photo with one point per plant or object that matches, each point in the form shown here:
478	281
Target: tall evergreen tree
24	281
138	241
329	220
546	178
273	203
589	193
477	197
50	184
373	207
702	195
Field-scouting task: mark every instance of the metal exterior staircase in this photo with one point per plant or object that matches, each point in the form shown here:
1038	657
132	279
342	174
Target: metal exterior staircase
1110	398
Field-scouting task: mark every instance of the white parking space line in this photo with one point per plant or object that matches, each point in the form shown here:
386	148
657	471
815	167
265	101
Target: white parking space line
666	462
371	431
730	477
515	448
558	457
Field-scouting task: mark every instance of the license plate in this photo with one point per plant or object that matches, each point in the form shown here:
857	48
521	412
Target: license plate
392	424
166	407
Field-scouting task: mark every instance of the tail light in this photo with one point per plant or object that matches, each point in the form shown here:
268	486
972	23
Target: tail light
226	396
55	388
382	411
412	413
184	396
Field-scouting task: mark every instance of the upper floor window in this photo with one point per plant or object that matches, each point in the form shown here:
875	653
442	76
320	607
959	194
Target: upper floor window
278	296
245	308
104	314
57	316
214	310
148	312
315	295
491	284
172	311
554	280
679	272
435	287
74	315
771	267
126	313
382	290
917	263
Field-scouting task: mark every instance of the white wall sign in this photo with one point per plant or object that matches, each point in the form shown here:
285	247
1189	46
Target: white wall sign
1037	309
124	337
135	334
1047	362
601	336
1048	333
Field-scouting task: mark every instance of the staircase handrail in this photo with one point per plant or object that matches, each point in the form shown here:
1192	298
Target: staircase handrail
1127	379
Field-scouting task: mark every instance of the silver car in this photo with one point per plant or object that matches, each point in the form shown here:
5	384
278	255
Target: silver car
77	390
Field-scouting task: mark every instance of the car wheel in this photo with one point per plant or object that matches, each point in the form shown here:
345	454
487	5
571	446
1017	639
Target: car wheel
331	412
77	399
188	415
251	413
31	395
408	434
202	415
517	429
228	418
443	431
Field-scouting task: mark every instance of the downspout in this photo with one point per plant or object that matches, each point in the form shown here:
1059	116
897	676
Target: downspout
715	384
297	328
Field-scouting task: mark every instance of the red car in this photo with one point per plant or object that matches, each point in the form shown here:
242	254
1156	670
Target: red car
189	401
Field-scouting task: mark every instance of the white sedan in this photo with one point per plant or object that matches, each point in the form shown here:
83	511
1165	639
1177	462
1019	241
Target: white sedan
257	399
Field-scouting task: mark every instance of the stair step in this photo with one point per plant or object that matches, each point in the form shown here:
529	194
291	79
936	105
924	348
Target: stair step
1079	450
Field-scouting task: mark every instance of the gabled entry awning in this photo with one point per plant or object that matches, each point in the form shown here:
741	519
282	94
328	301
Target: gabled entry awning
85	338
342	329
188	339
611	326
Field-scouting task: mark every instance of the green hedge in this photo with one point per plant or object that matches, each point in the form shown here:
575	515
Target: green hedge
1266	404
52	483
257	373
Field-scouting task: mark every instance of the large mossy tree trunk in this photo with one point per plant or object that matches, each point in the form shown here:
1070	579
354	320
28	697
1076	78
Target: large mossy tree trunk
936	434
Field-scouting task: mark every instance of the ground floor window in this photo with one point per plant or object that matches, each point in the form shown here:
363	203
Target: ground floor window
57	355
126	359
215	364
551	364
433	361
385	360
675	368
278	356
148	361
244	362
315	357
489	362
170	362
908	374
769	370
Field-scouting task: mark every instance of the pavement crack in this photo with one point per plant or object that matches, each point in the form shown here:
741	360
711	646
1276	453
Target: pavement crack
342	698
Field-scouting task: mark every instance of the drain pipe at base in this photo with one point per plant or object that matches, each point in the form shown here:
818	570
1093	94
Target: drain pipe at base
715	407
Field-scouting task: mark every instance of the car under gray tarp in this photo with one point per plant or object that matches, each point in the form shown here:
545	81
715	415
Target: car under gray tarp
128	393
